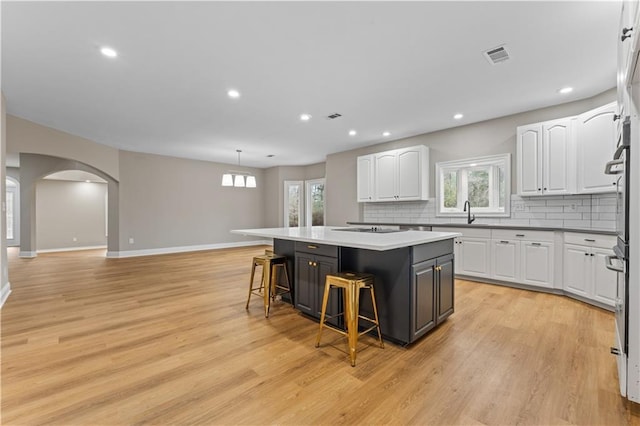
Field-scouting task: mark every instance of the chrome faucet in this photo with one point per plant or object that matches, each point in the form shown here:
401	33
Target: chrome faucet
470	219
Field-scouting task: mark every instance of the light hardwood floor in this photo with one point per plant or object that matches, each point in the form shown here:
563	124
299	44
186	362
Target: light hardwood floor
166	340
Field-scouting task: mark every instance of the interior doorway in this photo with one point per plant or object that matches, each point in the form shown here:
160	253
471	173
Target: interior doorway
12	200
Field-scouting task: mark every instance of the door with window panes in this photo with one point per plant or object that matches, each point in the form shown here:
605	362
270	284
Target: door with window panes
304	203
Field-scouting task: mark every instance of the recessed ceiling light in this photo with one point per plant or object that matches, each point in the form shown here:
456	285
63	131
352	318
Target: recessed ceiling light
565	90
88	181
386	134
108	52
233	93
352	133
305	117
458	116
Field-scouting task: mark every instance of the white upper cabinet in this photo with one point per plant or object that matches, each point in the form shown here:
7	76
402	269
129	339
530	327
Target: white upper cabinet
397	175
365	178
545	158
596	143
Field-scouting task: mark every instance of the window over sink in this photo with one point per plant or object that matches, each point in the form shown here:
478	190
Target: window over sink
483	181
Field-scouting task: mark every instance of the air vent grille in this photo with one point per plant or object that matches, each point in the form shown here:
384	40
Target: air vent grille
496	55
333	116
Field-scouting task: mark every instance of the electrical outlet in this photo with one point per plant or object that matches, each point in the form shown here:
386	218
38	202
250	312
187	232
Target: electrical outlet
130	240
518	207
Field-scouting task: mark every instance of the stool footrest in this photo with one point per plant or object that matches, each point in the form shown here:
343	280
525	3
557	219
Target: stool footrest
336	329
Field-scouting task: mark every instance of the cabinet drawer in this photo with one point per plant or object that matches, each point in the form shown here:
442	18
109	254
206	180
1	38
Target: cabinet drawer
525	235
319	249
591	240
466	232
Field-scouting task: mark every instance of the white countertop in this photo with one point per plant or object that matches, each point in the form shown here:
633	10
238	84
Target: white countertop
364	240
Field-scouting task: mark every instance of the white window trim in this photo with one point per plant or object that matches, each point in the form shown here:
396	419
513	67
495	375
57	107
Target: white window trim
478	162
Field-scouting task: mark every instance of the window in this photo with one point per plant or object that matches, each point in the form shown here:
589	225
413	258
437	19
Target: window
485	182
315	202
304	208
292	203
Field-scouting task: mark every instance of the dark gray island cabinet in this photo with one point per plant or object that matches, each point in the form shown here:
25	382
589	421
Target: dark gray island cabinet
414	285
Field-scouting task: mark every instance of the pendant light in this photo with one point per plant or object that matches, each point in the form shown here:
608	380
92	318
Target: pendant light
238	179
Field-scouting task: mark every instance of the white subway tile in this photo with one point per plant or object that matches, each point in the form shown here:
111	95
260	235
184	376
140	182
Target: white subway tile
564	216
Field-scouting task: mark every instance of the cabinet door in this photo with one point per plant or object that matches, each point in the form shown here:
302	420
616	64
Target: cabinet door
596	143
577	270
537	263
529	159
386	176
604	280
409	174
445	289
305	284
365	178
324	266
558	166
474	257
505	260
423	296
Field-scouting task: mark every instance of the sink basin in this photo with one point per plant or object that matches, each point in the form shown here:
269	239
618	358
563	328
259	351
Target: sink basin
371	230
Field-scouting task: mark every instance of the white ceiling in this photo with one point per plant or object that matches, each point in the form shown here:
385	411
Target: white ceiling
402	67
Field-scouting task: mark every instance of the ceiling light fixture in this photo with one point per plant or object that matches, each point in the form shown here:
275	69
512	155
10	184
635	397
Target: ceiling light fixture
108	52
239	179
565	90
352	133
305	117
458	116
386	134
233	94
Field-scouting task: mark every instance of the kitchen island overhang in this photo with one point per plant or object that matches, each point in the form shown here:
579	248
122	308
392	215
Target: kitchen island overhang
414	273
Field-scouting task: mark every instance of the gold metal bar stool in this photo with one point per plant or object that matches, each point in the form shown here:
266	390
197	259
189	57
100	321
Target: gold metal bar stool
351	283
269	286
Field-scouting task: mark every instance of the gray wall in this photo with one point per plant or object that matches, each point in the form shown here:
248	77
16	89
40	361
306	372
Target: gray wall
490	137
4	271
66	210
174	202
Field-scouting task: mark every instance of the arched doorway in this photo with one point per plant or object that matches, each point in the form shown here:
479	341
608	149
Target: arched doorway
71	212
34	167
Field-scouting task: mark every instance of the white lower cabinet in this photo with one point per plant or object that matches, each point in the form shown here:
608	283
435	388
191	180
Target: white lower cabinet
585	273
524	257
472	251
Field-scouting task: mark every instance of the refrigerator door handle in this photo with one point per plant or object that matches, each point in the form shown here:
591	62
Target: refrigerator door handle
610	164
609	264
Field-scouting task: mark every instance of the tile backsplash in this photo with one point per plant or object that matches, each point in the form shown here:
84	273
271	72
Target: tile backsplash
595	211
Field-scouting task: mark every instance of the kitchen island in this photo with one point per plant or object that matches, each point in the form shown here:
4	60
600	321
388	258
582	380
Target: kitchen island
413	273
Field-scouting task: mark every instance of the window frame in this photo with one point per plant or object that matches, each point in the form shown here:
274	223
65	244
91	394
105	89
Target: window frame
463	167
301	215
308	201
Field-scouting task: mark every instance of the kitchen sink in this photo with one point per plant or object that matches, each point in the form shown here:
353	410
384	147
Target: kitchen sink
371	230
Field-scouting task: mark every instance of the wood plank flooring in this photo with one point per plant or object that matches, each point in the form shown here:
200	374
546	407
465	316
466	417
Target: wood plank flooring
166	340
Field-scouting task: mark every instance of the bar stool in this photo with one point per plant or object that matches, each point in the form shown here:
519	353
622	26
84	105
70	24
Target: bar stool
269	286
351	283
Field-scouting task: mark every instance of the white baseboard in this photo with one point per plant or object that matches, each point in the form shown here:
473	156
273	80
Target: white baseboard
71	249
28	254
183	249
5	291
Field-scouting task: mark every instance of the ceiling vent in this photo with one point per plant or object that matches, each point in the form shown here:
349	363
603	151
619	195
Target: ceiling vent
496	55
333	116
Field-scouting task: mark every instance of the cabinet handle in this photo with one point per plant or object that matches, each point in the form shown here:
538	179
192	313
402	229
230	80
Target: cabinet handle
312	247
625	33
315	264
586	254
616	117
310	263
504	242
536	244
519	235
544	189
590	240
539	189
592	254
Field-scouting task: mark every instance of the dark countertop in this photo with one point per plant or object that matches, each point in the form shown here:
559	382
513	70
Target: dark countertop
482	226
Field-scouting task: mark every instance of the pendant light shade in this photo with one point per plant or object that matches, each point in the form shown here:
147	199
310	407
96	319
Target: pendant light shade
238	179
227	179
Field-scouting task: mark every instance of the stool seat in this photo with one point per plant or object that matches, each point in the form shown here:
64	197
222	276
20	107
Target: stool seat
351	284
269	286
